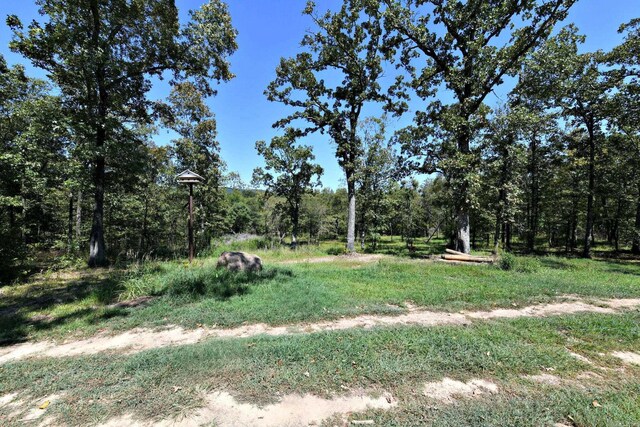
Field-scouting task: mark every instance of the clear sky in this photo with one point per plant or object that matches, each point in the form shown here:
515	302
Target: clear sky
271	29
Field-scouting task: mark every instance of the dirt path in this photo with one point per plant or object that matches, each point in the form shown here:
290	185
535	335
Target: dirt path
292	410
138	339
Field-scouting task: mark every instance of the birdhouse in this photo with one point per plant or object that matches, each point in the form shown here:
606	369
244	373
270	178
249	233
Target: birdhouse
189	177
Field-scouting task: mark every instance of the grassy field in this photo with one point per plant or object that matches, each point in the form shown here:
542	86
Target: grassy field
295	287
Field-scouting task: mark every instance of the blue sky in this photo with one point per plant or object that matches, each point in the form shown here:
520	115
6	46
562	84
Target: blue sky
271	29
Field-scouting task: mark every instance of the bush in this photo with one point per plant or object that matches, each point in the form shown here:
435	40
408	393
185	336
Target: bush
507	261
510	262
527	264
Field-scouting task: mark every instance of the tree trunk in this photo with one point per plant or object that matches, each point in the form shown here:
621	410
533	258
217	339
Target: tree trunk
97	250
23	214
78	217
635	247
70	224
616	224
463	236
142	246
534	208
586	252
361	226
295	220
569	237
351	218
496	236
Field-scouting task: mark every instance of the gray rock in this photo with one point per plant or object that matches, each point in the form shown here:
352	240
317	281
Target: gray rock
239	261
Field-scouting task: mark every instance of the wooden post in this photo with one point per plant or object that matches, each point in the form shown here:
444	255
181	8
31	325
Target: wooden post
188	177
191	245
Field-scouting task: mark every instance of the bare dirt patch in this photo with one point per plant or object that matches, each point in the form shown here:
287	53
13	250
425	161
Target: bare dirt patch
627	357
7	399
139	339
293	410
547	379
28	409
580	358
543	310
448	390
622	303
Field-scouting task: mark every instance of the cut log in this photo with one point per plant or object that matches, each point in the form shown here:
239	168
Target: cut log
452	252
448	261
469	258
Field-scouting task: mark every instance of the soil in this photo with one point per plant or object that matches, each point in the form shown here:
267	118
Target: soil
292	410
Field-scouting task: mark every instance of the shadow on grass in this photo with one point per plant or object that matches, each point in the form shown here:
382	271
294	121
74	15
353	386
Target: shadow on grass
557	263
399	248
219	283
17	320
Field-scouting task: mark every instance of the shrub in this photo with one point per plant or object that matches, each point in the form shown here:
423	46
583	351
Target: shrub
527	264
510	262
507	261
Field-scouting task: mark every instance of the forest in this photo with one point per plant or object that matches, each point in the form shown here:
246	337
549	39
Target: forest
553	167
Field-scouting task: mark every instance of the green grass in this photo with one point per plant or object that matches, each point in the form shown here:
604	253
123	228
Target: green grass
288	293
399	360
525	407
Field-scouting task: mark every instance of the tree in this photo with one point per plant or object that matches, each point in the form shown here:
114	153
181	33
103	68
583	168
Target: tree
197	148
469	47
103	54
574	83
624	109
33	141
288	173
376	171
345	49
504	163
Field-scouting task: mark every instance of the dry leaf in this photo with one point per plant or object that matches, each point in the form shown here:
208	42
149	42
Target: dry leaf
44	404
596	404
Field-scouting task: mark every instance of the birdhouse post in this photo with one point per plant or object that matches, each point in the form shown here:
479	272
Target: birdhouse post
191	178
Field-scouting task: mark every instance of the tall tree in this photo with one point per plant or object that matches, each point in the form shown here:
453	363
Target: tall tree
197	148
376	171
102	54
504	163
33	142
469	48
624	111
288	173
574	83
330	83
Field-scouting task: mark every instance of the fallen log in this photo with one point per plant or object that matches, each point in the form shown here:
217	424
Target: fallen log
452	252
450	262
469	258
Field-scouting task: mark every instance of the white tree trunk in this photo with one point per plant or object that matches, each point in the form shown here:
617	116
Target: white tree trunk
464	235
